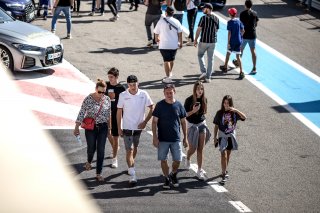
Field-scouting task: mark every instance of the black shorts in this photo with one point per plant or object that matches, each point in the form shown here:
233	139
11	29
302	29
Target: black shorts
168	55
114	130
229	146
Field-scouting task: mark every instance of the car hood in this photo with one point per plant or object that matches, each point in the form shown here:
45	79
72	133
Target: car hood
21	32
15	1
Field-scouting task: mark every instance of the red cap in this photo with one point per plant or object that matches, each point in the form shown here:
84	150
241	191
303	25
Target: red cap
232	11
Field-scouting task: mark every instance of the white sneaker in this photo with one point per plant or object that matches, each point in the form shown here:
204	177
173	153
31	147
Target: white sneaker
200	175
188	164
150	42
133	179
91	14
167	80
203	75
208	80
114	163
132	173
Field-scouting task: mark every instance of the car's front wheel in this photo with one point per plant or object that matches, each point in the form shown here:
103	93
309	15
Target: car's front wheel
6	57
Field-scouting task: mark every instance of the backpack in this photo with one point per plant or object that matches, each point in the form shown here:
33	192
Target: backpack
180	5
196	2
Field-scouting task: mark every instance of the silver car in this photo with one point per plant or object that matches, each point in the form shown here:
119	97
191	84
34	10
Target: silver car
25	47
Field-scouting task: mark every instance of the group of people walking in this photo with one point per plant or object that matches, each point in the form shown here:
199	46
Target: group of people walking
168	35
119	112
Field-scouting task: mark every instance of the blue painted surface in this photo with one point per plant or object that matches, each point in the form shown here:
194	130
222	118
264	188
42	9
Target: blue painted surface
300	91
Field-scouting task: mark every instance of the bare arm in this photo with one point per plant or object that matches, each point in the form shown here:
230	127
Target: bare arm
143	124
180	40
119	121
154	132
215	133
229	36
197	36
184	131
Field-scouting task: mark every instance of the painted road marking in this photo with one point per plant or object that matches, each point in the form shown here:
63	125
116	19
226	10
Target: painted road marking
240	206
217	187
289	84
54	95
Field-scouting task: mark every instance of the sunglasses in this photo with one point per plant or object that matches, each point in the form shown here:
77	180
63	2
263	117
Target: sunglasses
169	86
101	92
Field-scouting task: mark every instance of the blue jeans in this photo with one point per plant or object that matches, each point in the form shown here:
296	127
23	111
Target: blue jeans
67	14
96	140
209	48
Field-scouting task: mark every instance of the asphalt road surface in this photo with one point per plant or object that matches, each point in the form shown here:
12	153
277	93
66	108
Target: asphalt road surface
276	168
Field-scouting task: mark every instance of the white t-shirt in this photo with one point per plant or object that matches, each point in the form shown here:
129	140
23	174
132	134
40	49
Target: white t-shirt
168	38
133	107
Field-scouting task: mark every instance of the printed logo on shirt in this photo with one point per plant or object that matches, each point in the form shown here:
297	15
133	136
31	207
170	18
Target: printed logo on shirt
111	94
229	122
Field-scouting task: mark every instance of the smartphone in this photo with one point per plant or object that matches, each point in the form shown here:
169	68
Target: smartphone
197	104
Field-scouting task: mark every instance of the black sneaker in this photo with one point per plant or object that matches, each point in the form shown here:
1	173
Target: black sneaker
166	184
223	68
241	75
131	7
235	62
174	180
224	180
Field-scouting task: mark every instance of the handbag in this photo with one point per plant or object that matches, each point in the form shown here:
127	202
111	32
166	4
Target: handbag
88	122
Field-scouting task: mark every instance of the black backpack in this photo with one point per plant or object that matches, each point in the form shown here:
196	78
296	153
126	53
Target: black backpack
180	5
196	2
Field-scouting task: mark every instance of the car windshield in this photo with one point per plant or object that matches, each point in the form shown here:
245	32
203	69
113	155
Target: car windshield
4	17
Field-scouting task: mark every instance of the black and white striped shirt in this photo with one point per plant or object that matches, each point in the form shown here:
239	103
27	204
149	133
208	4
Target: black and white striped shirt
210	26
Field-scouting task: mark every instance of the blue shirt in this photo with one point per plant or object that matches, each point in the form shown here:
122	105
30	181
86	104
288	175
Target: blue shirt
169	116
235	26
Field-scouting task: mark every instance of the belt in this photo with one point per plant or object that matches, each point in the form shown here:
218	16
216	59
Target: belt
101	124
128	132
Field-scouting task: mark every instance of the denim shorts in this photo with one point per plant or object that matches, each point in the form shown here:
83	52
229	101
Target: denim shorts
174	147
202	129
131	141
251	42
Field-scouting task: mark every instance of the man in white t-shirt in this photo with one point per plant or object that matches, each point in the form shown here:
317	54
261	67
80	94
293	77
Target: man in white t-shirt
131	120
168	33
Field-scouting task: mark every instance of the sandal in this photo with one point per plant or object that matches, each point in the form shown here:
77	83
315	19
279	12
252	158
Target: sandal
99	178
87	166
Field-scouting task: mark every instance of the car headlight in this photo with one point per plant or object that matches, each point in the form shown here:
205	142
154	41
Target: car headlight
16	6
26	47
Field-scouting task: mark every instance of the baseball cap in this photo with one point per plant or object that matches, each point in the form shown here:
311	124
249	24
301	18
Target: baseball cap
132	79
232	11
207	5
170	9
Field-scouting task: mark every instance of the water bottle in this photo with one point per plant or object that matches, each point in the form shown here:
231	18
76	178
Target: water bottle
79	140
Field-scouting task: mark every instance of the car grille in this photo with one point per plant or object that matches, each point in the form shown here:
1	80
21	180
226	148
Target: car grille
52	50
28	62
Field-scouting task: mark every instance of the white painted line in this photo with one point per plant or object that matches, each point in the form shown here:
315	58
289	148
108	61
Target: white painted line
240	206
217	187
64	84
45	106
268	92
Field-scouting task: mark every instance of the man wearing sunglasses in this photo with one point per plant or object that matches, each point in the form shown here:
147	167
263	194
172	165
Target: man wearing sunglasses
131	120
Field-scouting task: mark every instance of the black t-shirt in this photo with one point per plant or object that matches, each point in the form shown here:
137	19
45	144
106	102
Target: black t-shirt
226	121
113	92
64	3
154	7
210	26
249	19
197	117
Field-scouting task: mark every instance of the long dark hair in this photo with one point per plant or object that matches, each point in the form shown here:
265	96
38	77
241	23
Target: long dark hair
229	98
203	97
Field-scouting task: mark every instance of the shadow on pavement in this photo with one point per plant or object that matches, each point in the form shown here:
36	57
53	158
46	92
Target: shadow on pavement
304	107
126	50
